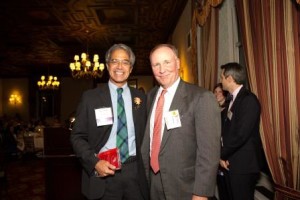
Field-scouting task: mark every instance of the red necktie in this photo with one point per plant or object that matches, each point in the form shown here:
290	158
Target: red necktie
156	139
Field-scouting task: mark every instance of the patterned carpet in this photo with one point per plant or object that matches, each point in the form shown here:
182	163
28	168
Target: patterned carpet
25	179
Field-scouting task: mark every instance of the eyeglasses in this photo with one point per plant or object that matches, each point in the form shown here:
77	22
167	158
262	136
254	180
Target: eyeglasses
116	62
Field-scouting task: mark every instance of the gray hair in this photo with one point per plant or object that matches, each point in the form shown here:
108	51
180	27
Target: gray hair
120	46
237	71
172	47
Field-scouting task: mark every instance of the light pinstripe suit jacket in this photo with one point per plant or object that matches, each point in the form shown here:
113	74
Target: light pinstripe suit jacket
189	155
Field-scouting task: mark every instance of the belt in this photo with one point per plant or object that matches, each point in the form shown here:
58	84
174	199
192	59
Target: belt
130	160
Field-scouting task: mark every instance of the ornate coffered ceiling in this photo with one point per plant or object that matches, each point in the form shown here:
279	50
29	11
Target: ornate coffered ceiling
41	35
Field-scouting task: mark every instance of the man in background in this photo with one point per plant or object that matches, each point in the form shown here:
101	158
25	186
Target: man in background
108	117
241	150
181	146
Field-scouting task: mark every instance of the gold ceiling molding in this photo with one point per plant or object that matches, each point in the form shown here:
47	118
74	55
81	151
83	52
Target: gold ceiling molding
203	7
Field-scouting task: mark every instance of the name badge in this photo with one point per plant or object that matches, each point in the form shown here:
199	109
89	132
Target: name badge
172	119
104	116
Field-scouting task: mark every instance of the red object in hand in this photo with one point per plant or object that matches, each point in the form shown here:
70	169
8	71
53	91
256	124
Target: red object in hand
112	156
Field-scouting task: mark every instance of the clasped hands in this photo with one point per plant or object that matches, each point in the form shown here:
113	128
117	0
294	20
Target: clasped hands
104	168
224	164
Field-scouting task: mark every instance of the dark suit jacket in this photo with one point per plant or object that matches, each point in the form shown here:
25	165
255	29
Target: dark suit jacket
189	155
87	139
241	138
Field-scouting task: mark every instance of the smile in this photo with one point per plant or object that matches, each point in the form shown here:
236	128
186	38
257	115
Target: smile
119	72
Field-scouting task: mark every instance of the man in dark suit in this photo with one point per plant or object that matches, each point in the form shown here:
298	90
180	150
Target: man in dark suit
181	146
98	128
241	150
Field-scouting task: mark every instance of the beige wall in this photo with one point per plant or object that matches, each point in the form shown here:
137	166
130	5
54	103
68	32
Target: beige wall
179	39
228	34
228	38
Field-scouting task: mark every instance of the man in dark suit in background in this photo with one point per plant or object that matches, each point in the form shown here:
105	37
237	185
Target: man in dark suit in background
101	124
181	146
241	150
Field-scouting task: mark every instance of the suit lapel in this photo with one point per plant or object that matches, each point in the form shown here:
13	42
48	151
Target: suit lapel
104	91
135	116
239	96
134	113
103	99
150	102
176	104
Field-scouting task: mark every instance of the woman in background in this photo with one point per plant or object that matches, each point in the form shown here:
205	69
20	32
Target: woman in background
223	100
221	95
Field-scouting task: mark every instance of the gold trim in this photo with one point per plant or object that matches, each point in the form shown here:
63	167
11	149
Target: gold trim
203	8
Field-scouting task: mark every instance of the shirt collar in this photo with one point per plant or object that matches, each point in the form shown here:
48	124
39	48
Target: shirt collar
113	87
172	89
236	91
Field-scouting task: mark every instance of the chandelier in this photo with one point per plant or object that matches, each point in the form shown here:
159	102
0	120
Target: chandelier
84	68
51	83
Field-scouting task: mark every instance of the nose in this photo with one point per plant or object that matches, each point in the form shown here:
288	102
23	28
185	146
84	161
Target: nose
161	69
119	64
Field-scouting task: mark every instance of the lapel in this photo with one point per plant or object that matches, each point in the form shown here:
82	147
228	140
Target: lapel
103	100
135	116
105	96
239	97
150	101
176	104
133	95
139	114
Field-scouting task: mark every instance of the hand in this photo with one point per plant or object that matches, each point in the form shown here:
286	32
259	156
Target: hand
104	168
224	164
199	198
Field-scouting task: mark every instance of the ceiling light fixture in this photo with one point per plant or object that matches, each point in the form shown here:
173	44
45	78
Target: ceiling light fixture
84	68
51	83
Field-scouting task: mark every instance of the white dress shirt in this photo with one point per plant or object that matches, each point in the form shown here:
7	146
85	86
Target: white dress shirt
169	95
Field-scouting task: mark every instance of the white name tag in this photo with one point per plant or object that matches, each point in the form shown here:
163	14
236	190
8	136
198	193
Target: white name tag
104	116
172	119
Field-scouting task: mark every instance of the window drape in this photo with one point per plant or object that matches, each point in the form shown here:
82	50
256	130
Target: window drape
270	33
206	16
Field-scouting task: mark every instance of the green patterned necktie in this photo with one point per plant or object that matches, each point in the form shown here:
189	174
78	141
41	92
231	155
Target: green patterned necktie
122	134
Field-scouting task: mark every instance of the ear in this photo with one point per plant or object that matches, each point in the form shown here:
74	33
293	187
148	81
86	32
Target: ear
107	66
230	79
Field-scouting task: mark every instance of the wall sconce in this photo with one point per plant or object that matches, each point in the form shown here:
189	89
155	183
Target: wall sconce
15	99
